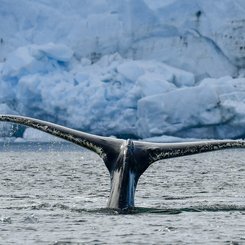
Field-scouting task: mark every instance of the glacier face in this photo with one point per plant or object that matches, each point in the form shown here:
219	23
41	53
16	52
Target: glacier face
126	68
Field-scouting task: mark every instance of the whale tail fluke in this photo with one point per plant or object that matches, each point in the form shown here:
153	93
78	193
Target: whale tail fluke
144	153
126	160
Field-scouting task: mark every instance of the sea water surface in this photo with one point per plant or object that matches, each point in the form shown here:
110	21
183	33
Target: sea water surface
56	193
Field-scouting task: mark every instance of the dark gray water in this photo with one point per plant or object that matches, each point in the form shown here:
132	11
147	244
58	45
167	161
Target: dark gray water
57	194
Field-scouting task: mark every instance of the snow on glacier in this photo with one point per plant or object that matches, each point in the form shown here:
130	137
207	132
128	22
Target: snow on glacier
126	68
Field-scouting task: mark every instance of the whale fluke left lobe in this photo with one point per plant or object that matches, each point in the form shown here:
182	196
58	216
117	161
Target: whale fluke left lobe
106	147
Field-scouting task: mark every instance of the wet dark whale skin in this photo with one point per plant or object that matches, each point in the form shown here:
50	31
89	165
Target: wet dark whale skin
126	160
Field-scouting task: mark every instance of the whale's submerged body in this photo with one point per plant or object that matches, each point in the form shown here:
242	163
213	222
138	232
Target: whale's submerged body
126	160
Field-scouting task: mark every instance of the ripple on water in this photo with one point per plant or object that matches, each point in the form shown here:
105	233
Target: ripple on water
58	197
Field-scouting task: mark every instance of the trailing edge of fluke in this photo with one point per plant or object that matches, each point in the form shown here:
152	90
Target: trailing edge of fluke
126	160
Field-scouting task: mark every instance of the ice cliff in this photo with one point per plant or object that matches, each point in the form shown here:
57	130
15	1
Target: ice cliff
129	68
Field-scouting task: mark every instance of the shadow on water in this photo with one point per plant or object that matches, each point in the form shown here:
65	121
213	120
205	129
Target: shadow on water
135	210
164	211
